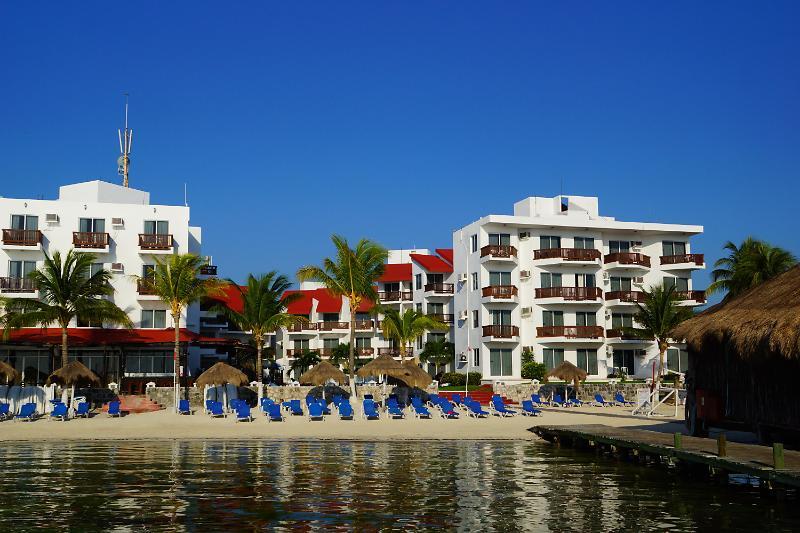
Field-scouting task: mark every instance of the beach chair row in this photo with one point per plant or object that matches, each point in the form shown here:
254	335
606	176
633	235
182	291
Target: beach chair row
28	411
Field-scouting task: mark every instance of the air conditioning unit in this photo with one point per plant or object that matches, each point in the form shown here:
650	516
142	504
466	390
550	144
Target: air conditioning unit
117	267
606	276
608	315
118	222
462	278
636	243
524	235
527	311
463	315
638	281
51	218
525	273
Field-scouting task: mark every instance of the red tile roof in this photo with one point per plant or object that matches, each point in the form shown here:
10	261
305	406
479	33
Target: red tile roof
301	306
99	336
396	272
446	253
365	306
326	302
230	297
431	263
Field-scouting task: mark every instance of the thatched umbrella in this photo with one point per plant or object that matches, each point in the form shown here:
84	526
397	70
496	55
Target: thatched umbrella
383	365
221	374
567	372
9	372
72	374
416	376
321	373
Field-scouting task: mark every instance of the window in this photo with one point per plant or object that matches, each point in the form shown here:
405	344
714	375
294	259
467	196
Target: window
474	281
623	359
550	280
145	362
418	281
680	284
673	248
621	320
500	362
32	366
148	271
500	239
154	318
419	342
29	222
330	344
584	243
547	242
553	357
92	225
20	269
330	317
419	307
300	345
615	247
476	357
620	284
363	317
553	318
435	337
474	242
156	227
363	342
435	308
476	322
435	278
677	360
95	268
587	360
392	287
585	280
501	317
499	278
585	319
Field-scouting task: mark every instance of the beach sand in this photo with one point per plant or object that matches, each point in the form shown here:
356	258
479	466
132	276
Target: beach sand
170	426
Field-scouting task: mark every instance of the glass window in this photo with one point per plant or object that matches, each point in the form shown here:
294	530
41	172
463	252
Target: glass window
20	269
419	307
154	318
301	344
433	278
620	284
156	227
587	360
677	360
623	359
435	308
500	362
502	239
621	320
436	337
29	222
474	243
585	280
475	319
553	318
547	242
673	247
550	280
553	357
585	243
501	317
476	357
418	281
680	284
474	281
585	319
92	225
363	342
419	342
615	247
499	278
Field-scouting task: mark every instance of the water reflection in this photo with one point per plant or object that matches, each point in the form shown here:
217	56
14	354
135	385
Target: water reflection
486	486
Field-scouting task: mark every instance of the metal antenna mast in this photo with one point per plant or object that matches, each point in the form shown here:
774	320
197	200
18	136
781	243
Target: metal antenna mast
125	142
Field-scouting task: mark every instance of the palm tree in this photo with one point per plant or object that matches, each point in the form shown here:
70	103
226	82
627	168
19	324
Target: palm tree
68	290
176	281
264	302
658	316
340	354
439	353
404	328
747	265
303	361
352	274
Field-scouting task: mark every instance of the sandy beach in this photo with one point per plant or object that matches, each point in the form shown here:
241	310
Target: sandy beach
169	426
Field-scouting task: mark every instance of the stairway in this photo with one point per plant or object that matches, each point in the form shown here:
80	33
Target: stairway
130	403
482	395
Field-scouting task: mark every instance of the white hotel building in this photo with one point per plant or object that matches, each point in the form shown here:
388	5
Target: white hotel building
561	281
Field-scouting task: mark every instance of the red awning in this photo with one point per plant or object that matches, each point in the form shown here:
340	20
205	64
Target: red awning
446	254
230	297
102	337
431	263
365	306
326	302
396	272
301	306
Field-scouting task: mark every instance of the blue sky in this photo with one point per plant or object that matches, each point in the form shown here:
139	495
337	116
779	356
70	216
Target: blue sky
401	121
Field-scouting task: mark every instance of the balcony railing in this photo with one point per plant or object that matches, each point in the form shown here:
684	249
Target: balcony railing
89	239
297	328
626	296
389	351
208	270
628	258
441	288
145	287
501	332
501	251
617	333
697	259
330	326
568	254
395	296
570	293
22	237
17	285
570	332
505	292
365	351
294	352
697	296
446	318
153	241
364	324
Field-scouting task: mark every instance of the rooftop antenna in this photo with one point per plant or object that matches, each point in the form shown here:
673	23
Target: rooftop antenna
125	142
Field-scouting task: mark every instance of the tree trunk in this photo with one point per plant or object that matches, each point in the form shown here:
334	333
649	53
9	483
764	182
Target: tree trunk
352	350
64	354
402	352
175	357
259	369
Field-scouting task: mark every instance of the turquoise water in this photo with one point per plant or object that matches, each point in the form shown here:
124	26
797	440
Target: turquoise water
470	486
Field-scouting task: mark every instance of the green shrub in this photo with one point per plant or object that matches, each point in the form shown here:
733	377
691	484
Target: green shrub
459	379
533	370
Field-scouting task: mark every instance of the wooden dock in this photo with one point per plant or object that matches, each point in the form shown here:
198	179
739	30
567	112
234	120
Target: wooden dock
717	455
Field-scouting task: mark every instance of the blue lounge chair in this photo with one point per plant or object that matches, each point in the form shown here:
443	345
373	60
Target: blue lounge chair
296	408
60	411
325	409
499	407
274	413
558	401
393	408
419	410
537	401
620	399
599	401
4	411
369	411
576	402
528	409
315	412
113	409
216	410
345	410
265	403
27	412
233	403
337	399
243	412
433	400
475	410
184	408
447	409
209	405
457	399
82	410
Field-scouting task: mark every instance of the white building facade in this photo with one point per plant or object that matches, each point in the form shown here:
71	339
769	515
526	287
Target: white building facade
561	282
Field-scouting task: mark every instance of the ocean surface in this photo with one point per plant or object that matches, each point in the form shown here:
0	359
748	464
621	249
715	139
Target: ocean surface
358	486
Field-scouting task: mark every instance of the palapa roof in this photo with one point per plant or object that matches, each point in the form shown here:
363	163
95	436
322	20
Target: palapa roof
321	373
416	377
221	374
382	365
566	371
8	372
73	373
766	316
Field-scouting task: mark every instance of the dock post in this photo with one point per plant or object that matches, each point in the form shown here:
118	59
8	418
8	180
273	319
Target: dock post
677	438
777	455
722	445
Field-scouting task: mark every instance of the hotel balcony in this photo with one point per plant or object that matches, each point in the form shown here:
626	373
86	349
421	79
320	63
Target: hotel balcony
155	243
620	336
570	333
683	262
439	289
369	352
625	297
90	241
294	352
307	328
338	328
574	256
363	325
394	352
627	260
499	294
498	252
208	270
500	333
446	318
395	296
569	295
19	287
22	239
691	297
145	290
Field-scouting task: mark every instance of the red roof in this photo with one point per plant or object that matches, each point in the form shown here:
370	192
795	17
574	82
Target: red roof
327	302
396	272
446	253
230	297
301	306
431	263
99	336
365	306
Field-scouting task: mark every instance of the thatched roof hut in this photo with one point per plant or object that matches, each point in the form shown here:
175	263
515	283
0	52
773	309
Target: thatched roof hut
416	377
321	373
221	374
383	365
8	373
73	373
566	371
